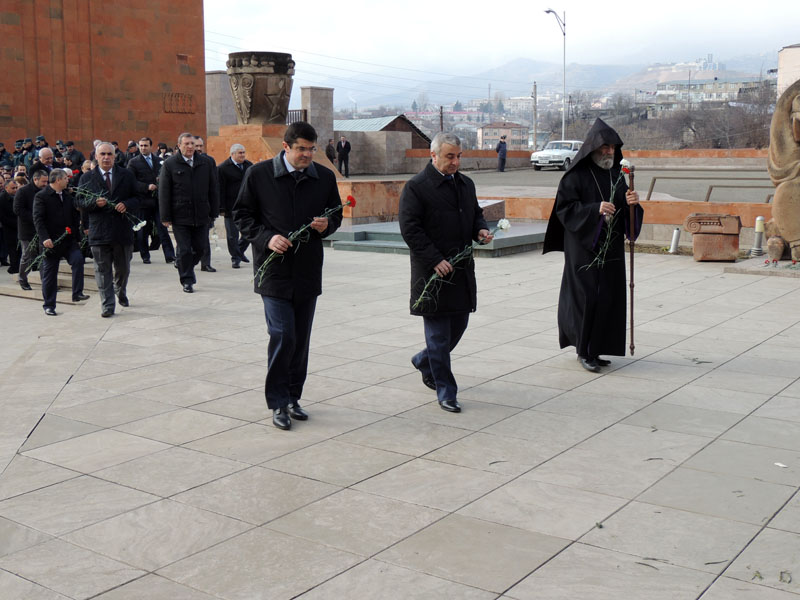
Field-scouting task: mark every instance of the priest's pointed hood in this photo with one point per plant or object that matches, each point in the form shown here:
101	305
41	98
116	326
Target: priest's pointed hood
601	133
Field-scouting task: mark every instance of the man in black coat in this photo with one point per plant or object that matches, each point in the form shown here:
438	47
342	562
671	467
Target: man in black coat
8	221
440	217
205	258
26	230
231	173
343	154
75	155
106	193
44	162
58	225
145	168
589	222
188	196
277	197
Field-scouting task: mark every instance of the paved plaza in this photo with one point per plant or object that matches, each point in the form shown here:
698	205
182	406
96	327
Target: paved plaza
153	470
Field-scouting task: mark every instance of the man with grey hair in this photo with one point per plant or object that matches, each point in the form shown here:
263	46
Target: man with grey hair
231	174
44	162
439	217
188	196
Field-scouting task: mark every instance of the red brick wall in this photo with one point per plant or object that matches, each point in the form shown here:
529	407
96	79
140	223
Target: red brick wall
86	69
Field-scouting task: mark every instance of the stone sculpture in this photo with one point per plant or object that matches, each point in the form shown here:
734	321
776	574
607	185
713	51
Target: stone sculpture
784	167
261	83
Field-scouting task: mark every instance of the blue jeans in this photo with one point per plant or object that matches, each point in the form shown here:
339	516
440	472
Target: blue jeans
442	334
289	325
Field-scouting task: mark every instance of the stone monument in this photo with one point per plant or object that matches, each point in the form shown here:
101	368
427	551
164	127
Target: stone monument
784	167
261	83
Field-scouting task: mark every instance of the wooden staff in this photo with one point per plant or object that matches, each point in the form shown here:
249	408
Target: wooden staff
631	245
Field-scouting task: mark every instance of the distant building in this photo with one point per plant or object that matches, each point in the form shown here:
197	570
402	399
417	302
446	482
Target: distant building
516	135
788	67
395	123
683	94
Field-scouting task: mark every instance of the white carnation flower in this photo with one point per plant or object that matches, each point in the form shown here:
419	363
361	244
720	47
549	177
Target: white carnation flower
625	163
503	224
139	225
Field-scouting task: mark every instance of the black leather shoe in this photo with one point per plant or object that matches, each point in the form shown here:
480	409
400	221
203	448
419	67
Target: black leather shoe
426	380
601	362
25	286
146	261
187	287
208	269
123	301
50	312
79	297
450	406
170	259
296	412
245	259
175	263
281	419
589	364
235	265
107	313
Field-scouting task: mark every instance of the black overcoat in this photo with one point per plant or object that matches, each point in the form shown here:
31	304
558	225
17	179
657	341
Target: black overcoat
271	202
106	224
145	176
23	208
438	219
592	300
51	217
230	180
188	195
7	217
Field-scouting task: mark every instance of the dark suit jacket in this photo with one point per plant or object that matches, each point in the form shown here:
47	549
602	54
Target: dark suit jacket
106	224
145	176
23	208
7	217
230	180
188	195
343	151
51	217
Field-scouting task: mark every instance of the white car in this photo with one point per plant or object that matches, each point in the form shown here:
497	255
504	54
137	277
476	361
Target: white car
556	154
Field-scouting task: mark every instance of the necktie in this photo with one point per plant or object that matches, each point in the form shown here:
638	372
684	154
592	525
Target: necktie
108	180
149	160
241	166
448	178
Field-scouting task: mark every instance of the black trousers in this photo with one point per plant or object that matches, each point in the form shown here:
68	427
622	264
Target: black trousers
442	334
49	273
191	242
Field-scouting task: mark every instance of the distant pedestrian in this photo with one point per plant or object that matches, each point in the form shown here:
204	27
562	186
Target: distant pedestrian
343	155
501	154
330	151
231	173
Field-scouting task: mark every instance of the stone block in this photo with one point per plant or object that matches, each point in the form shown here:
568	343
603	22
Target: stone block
714	237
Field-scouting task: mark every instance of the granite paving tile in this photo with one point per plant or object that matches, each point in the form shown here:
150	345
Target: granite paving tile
451	549
474	414
15	537
493	453
158	534
675	537
357	522
376	579
762	463
235	569
72	504
338	463
247	405
116	410
95	451
509	394
254	443
68	569
327	420
171	471
788	519
602	410
25	474
180	426
381	399
684	419
719	495
716	399
775	433
21	589
52	428
744	382
153	587
782	406
187	392
433	484
563	379
242	376
726	588
549	429
772	560
319	388
256	495
544	508
630	387
405	436
585	572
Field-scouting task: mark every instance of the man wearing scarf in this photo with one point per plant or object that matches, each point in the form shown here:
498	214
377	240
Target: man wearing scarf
589	222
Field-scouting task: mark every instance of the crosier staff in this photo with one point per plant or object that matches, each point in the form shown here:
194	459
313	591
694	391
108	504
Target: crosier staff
629	169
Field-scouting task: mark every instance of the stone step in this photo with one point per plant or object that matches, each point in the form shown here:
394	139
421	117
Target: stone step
381	246
65	280
64	296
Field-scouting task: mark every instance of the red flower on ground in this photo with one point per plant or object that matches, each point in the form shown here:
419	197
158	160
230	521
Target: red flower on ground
350	201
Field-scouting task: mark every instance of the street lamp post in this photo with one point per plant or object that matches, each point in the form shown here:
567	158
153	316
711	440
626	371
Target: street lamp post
562	23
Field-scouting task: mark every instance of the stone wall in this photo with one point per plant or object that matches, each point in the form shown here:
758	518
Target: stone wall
219	102
377	152
82	69
471	160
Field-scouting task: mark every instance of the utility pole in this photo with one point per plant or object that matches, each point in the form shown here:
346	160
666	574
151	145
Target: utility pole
535	129
441	118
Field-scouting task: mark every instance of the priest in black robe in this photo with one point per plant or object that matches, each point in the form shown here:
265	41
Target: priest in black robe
589	222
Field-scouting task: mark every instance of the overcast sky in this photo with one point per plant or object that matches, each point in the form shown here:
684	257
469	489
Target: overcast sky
426	40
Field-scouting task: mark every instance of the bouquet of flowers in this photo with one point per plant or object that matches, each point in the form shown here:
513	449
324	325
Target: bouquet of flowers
85	194
37	262
430	292
301	235
600	256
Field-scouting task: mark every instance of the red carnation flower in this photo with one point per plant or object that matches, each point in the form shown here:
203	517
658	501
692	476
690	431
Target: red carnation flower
626	170
69	231
350	201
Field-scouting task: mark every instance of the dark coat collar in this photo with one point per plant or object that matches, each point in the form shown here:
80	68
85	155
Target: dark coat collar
279	168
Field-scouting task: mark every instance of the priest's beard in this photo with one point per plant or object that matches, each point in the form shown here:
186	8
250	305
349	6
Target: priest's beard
604	162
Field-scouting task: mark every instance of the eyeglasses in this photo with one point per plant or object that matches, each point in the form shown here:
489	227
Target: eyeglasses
304	150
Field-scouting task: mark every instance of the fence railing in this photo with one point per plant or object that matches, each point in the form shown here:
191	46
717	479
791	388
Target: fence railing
299	114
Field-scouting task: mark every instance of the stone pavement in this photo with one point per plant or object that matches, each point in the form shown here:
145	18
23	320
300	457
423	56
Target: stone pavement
155	473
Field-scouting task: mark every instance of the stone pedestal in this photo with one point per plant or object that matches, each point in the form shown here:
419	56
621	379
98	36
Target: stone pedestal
714	237
261	84
318	102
